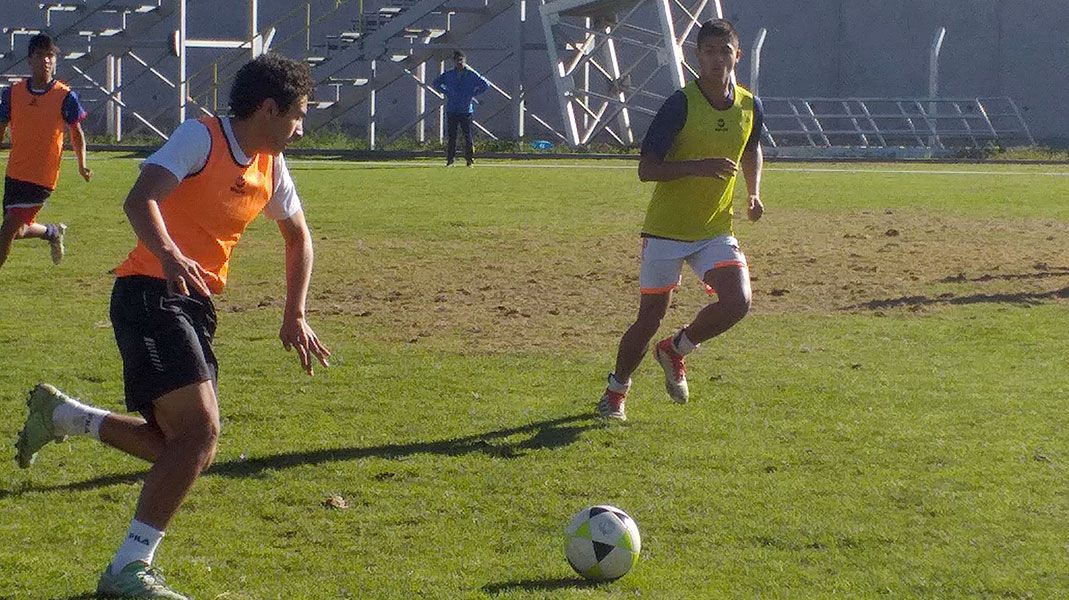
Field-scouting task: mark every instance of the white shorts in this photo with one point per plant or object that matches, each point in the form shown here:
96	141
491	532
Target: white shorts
662	261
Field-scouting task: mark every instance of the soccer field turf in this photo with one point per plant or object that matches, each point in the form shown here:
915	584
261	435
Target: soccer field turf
888	422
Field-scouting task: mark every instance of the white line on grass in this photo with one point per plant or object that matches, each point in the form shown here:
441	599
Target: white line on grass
918	171
518	165
522	165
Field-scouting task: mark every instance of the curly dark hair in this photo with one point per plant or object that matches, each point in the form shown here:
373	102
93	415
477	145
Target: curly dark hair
269	76
41	42
719	28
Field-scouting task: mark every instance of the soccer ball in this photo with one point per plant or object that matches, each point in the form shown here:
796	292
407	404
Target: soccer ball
602	543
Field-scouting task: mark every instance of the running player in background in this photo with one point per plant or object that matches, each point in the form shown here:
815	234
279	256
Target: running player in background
37	110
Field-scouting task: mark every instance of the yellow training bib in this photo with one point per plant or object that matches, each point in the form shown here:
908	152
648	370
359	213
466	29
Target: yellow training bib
698	208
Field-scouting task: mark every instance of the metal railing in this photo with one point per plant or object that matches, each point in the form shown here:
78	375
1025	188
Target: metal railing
933	123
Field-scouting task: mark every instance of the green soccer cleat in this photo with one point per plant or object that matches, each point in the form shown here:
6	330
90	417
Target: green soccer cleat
136	580
39	429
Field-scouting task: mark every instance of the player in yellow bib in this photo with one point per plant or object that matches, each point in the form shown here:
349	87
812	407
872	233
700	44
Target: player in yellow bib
693	150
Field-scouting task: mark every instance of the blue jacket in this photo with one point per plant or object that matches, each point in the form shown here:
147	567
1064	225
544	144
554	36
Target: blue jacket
459	89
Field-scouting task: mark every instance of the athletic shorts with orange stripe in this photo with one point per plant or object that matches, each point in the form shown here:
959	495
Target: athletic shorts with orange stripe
662	261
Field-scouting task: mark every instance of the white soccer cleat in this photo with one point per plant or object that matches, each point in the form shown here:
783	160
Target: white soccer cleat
56	243
675	371
611	406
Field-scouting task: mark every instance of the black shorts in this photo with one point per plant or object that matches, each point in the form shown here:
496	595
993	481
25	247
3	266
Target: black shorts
18	193
165	340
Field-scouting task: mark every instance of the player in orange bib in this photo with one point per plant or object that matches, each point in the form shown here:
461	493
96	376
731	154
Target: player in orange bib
37	110
191	203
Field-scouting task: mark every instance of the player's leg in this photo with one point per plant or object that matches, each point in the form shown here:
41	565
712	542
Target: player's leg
451	144
22	201
32	230
635	342
170	373
53	233
725	273
53	416
189	420
9	231
659	274
634	345
733	298
469	144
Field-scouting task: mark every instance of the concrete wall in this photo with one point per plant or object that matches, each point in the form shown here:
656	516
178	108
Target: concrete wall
880	48
818	48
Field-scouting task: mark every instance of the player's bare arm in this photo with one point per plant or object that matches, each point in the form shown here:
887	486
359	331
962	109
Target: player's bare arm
653	168
78	144
142	208
295	333
753	160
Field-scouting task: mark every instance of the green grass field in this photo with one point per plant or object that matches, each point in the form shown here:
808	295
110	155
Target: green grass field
889	422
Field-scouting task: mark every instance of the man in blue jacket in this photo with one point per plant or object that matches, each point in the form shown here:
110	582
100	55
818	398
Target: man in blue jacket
460	87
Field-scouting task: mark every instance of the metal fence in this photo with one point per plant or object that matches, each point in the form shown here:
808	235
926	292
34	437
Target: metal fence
932	123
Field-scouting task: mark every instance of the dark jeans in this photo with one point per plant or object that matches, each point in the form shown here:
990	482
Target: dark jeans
464	121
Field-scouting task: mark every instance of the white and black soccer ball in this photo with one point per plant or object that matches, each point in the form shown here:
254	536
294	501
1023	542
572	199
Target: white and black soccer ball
602	543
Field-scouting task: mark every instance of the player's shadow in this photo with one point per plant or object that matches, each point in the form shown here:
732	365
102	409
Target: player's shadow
492	589
548	434
554	433
538	585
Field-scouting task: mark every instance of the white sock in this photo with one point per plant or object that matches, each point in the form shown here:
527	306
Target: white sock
616	386
682	345
75	418
140	544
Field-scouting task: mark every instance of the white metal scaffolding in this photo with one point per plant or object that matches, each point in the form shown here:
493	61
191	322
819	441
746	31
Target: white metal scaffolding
588	41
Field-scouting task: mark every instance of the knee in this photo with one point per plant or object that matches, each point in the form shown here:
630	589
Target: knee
737	305
201	441
209	443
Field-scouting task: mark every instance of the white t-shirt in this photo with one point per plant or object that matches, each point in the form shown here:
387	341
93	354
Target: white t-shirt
187	152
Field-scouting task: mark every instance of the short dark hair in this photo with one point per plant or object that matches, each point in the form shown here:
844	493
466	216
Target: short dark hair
41	41
458	54
269	76
719	28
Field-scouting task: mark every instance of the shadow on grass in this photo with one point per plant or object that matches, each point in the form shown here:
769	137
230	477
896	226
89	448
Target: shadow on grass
548	435
529	585
538	585
961	278
371	166
1028	299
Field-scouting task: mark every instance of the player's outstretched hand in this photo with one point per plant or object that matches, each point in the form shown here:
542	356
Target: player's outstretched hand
185	274
755	208
85	172
298	335
720	168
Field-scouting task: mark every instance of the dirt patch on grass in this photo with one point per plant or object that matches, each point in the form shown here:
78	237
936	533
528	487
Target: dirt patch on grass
510	289
916	261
